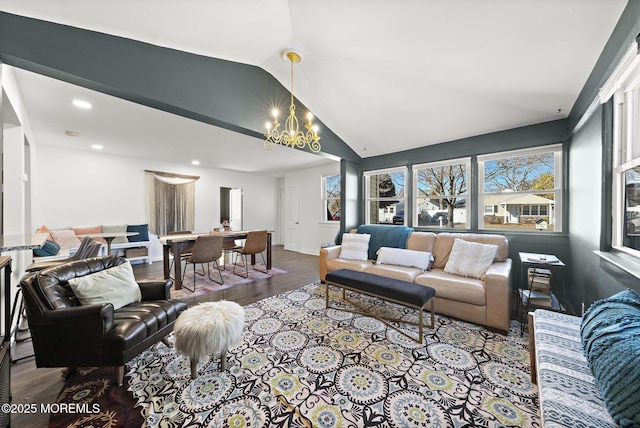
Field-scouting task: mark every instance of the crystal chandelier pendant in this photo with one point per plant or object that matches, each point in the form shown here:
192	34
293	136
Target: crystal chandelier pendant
292	136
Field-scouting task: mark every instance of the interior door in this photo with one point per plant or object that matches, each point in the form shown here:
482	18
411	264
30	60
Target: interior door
292	219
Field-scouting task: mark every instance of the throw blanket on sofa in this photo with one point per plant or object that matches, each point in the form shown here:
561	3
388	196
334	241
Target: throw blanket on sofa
385	236
611	340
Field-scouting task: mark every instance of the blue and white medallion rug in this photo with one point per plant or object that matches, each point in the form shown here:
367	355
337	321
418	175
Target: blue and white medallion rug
301	365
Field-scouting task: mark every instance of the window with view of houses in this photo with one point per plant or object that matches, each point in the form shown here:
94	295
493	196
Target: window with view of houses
331	197
385	196
521	190
440	194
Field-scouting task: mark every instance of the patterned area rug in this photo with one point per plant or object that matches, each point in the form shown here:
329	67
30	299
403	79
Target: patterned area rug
204	285
97	401
301	365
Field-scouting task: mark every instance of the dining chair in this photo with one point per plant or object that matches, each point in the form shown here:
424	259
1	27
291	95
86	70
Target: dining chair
186	252
255	243
228	248
207	249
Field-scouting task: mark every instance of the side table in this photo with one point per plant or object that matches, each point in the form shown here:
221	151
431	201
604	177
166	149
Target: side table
526	300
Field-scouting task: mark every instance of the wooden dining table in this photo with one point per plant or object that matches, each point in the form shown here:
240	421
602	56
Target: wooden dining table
179	242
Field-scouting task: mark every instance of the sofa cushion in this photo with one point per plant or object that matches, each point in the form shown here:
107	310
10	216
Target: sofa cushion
402	273
88	231
66	238
355	246
49	248
610	332
118	228
470	258
402	257
385	236
358	265
45	229
454	287
143	232
116	285
444	243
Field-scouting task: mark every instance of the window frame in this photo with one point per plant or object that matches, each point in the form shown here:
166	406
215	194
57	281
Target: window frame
466	161
367	197
623	86
325	199
557	150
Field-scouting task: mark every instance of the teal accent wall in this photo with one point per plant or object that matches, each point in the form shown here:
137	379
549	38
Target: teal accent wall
351	183
230	95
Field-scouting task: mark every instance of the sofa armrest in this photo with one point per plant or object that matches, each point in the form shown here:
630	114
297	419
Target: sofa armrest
327	253
82	315
155	290
497	283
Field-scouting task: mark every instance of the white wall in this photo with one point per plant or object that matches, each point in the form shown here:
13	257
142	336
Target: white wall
77	188
314	231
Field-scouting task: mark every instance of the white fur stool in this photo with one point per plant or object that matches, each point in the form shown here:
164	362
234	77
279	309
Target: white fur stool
208	329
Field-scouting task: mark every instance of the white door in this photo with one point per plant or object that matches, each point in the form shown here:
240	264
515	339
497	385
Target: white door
292	219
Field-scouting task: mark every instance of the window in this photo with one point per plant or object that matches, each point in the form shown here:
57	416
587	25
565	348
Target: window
331	198
624	87
385	196
524	187
440	194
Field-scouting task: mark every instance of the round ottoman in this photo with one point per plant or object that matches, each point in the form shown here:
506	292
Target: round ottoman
208	329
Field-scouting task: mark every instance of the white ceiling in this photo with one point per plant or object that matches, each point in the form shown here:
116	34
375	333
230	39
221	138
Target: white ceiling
384	75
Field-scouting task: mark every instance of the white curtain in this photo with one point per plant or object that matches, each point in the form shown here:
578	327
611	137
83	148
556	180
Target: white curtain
170	202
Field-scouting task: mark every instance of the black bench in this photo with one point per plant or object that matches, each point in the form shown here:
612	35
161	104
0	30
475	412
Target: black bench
394	290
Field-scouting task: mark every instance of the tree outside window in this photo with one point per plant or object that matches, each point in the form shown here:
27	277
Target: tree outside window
385	196
441	194
525	187
331	197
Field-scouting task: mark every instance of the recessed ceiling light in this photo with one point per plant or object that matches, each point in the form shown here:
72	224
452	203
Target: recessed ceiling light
81	104
195	162
71	133
97	146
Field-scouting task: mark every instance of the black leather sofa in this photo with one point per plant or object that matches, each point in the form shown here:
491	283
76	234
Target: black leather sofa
67	334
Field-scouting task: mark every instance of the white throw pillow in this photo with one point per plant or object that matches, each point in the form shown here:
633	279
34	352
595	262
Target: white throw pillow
470	259
355	246
402	257
115	285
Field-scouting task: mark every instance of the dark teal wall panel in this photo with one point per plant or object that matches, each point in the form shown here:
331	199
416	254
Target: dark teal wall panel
234	96
512	139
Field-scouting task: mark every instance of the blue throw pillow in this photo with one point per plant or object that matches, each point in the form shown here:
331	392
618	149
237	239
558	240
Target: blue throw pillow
49	248
610	334
143	232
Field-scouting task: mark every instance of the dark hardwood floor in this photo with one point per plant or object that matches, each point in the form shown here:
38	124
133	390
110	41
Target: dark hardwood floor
41	385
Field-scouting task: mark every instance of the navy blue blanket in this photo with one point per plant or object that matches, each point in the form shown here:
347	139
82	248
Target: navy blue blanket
385	236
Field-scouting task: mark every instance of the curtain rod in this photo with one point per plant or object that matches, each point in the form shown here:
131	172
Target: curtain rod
172	175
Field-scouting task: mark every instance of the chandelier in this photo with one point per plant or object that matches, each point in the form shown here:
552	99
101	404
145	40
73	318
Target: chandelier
291	135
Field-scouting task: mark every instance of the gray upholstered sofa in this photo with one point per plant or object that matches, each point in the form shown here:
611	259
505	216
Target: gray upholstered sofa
483	301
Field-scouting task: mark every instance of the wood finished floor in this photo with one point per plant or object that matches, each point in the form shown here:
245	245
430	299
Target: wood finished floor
42	385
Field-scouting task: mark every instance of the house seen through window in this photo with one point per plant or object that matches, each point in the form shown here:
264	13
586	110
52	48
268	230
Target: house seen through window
521	190
440	194
385	196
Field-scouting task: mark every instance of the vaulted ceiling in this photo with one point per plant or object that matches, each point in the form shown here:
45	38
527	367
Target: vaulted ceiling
384	76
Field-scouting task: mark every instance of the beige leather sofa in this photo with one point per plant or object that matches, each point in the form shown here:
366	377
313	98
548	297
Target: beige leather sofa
485	302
